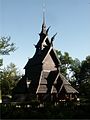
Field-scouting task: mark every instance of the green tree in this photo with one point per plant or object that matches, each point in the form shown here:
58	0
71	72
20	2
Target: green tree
85	69
66	62
81	70
75	68
84	78
6	47
10	77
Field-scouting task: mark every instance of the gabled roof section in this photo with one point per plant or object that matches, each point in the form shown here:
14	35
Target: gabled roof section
55	57
40	56
67	86
42	87
64	80
46	81
70	89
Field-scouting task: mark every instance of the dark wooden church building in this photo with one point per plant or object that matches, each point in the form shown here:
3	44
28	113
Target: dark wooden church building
43	78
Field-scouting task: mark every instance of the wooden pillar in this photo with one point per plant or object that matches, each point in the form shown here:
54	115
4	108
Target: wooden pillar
70	96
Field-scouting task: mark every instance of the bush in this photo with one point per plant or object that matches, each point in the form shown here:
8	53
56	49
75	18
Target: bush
60	111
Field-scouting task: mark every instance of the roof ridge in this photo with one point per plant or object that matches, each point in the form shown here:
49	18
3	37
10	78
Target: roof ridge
39	82
64	79
47	53
57	76
56	55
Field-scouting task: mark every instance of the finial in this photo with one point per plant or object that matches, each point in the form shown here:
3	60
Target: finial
53	38
48	30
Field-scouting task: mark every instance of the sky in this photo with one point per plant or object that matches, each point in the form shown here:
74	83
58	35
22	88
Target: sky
22	21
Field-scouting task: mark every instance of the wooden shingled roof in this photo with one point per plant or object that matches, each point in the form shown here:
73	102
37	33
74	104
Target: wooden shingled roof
70	89
42	87
46	80
39	57
67	86
49	87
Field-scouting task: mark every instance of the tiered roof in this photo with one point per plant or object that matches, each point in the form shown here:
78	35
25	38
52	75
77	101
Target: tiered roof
43	69
49	81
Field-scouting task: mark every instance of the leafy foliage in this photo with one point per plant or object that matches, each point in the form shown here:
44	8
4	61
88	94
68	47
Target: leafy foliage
49	111
6	74
66	62
75	68
5	46
85	69
78	73
9	77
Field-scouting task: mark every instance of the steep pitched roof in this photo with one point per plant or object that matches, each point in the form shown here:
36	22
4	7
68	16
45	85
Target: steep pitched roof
64	80
48	83
67	86
70	89
42	87
39	57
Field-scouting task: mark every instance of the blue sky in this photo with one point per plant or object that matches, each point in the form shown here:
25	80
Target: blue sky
22	20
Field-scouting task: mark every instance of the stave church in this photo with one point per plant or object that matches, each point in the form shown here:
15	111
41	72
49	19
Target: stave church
43	79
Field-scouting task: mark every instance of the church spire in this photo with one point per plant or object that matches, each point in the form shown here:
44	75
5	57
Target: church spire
44	18
43	24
